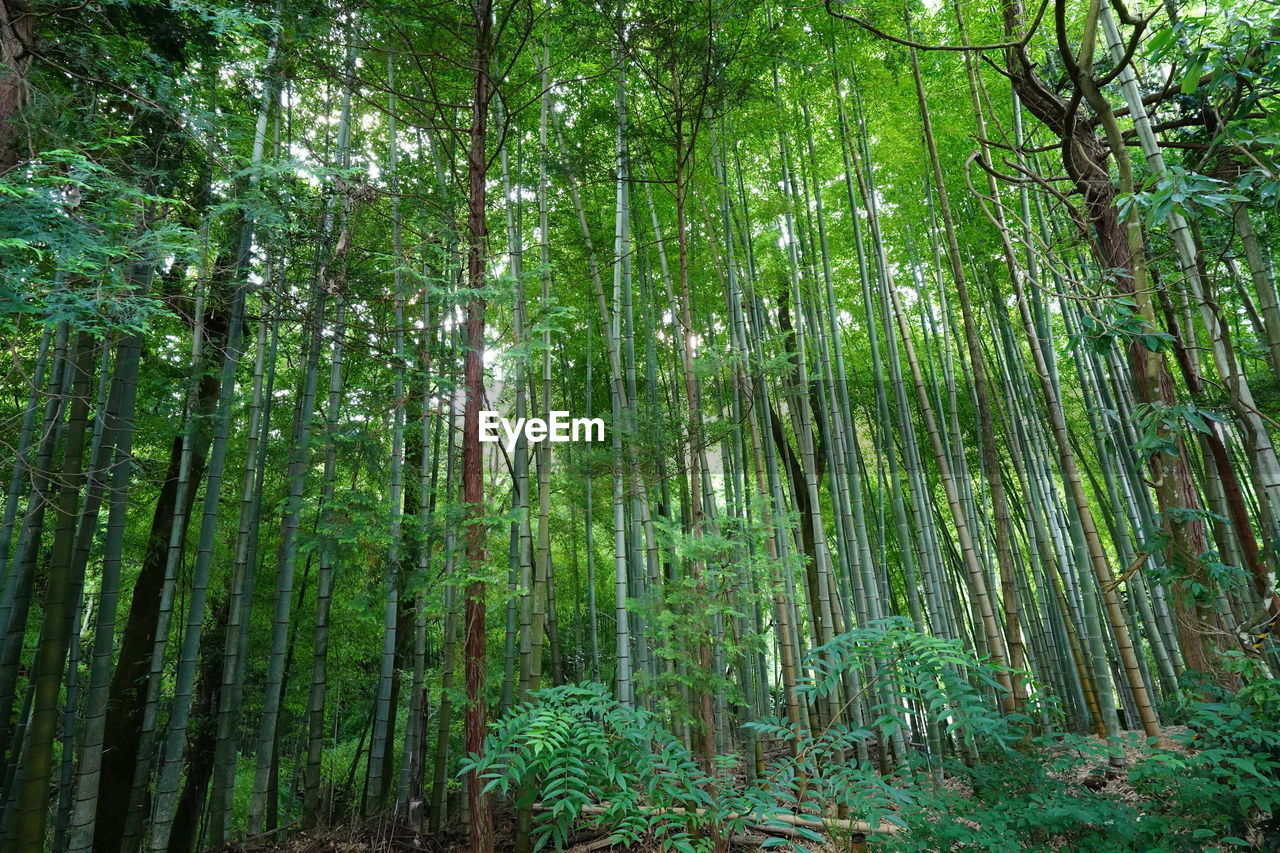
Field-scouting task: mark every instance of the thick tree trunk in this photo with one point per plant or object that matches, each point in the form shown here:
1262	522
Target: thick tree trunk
202	737
17	29
481	823
1117	245
129	684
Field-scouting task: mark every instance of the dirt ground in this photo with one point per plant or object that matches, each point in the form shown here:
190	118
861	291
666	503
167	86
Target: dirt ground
383	837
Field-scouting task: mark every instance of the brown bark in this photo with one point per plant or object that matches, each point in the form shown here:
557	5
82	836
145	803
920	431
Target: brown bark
1218	453
17	29
1117	245
472	460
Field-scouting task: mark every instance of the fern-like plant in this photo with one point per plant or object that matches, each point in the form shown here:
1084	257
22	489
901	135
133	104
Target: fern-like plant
591	758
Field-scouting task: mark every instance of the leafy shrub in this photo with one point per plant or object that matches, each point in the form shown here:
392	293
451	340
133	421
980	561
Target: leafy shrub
1215	785
1224	783
572	742
1028	799
577	746
902	668
904	673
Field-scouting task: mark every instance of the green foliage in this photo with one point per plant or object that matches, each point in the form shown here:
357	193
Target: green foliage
72	224
1183	192
1222	774
136	131
1215	784
691	614
1159	424
1118	320
574	743
941	676
904	670
1025	800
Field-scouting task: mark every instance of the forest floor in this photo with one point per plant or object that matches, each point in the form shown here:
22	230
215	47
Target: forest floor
380	835
378	839
381	838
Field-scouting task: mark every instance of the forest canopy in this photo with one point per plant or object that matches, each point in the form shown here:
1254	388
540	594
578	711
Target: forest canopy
936	348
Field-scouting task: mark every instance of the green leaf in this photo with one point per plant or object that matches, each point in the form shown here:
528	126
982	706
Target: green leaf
1191	79
1160	42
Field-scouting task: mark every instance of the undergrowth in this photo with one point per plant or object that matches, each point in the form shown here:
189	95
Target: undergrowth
1213	784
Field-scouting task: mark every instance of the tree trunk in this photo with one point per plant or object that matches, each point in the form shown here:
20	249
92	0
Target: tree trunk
481	824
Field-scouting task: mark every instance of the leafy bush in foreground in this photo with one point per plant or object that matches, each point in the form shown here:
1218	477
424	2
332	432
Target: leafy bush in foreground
1215	785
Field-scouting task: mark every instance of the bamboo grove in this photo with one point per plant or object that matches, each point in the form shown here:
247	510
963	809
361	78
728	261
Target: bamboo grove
958	317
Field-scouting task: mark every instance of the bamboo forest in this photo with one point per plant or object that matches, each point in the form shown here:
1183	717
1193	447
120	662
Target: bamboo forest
639	425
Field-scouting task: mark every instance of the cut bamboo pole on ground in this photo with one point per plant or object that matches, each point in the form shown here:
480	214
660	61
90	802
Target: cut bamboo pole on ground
824	825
